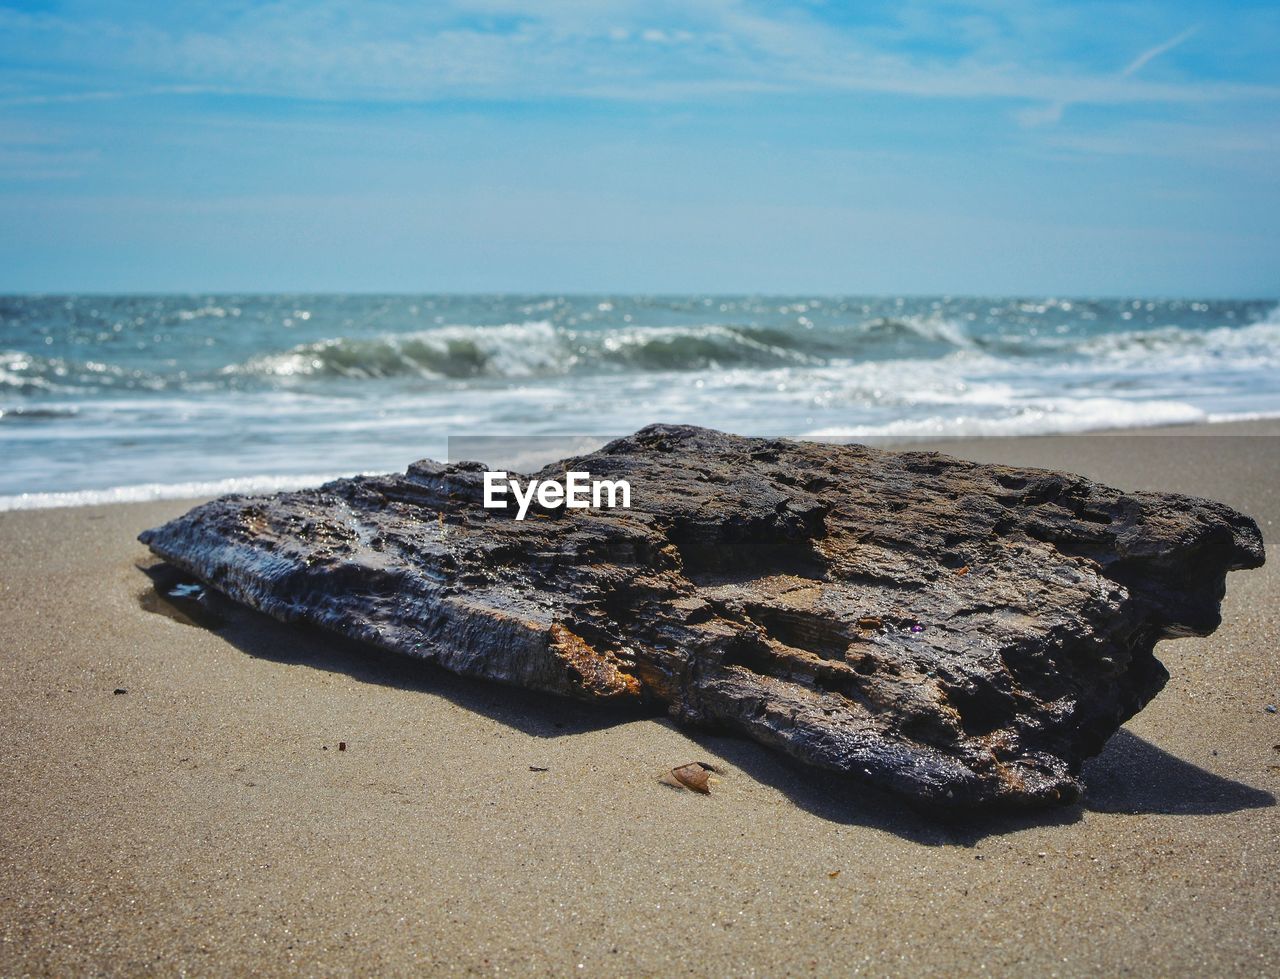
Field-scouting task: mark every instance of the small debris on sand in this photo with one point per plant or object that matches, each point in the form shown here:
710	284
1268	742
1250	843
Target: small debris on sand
119	690
694	776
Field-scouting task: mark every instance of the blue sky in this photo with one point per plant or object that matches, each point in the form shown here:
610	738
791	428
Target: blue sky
604	145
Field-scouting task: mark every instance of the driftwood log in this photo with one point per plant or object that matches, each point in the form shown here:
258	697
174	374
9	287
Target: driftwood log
963	634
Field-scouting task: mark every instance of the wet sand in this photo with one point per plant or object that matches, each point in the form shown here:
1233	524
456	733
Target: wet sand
204	821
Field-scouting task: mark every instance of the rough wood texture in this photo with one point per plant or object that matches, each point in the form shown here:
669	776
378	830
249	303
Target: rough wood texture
963	634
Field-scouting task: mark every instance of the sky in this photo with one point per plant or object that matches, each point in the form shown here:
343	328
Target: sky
595	146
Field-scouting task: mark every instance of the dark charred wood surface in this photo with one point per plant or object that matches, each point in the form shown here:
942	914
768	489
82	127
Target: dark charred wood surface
963	634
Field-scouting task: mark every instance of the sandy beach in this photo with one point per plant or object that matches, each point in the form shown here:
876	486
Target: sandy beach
175	801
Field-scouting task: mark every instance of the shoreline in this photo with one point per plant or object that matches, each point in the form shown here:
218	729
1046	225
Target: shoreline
193	490
204	820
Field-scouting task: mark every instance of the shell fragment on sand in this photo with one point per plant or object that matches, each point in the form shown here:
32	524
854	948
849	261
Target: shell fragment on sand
960	633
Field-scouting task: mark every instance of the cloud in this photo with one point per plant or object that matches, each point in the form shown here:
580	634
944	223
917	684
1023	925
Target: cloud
109	95
620	50
1211	146
1042	115
1152	53
1051	113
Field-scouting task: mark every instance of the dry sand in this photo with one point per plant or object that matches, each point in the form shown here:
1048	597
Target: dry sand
205	821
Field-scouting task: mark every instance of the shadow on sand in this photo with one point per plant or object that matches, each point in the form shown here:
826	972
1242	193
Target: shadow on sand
1134	776
1131	776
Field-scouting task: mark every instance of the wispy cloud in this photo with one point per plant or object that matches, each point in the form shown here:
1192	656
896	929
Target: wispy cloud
109	95
1149	55
1052	111
613	50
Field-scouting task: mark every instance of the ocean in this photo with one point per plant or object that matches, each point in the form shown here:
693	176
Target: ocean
106	398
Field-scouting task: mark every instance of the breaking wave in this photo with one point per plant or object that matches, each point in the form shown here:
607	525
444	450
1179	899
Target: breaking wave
535	349
1171	347
23	373
541	349
147	492
166	396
